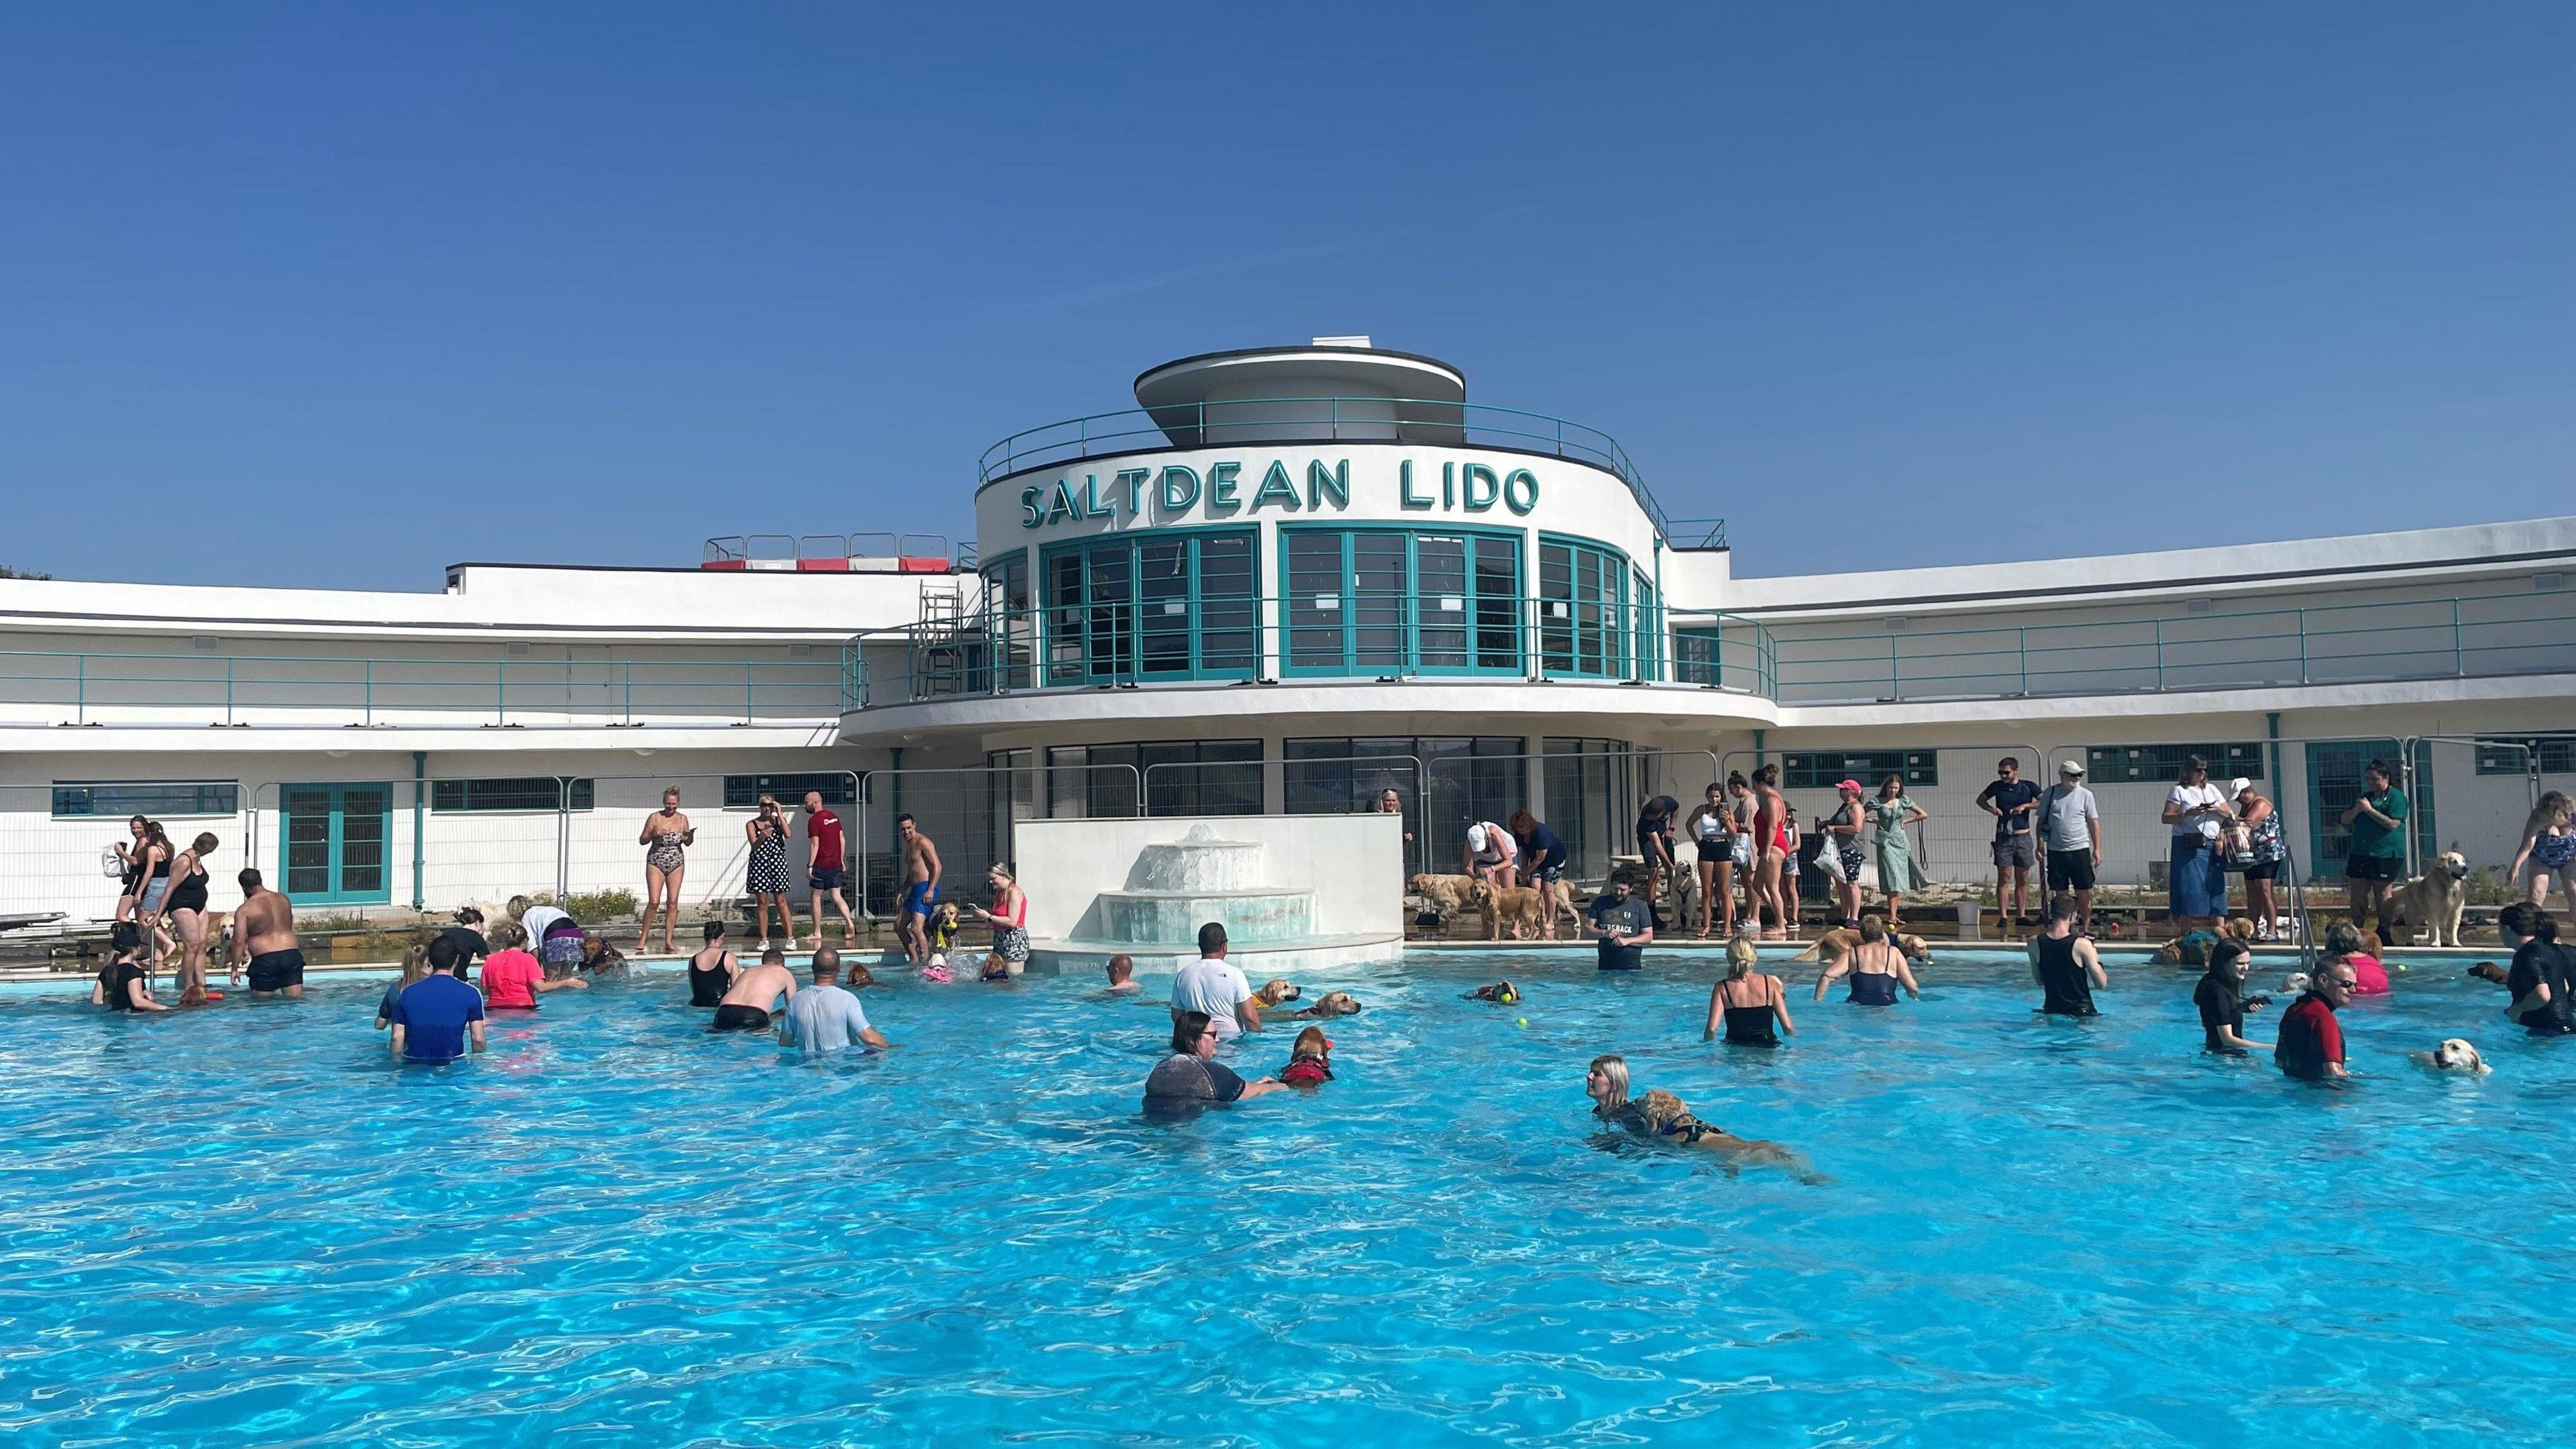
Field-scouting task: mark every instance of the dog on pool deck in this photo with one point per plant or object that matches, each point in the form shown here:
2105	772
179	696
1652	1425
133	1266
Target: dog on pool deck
1447	894
1842	938
2434	900
2453	1055
1523	906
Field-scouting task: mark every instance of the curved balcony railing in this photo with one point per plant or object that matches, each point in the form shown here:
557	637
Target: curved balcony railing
1257	421
1356	635
1395	638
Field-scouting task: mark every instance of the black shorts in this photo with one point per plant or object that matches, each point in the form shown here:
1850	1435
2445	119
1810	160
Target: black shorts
2070	870
2373	867
276	970
1621	958
741	1018
2268	870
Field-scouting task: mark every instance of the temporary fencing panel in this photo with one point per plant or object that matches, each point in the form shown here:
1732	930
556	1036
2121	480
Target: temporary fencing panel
969	812
1953	845
57	842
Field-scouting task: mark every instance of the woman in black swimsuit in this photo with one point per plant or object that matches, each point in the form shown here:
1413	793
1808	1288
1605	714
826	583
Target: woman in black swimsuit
712	970
1747	1002
185	905
1875	965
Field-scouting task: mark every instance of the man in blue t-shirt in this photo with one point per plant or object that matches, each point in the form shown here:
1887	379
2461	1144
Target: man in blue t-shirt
2009	799
433	1016
1543	860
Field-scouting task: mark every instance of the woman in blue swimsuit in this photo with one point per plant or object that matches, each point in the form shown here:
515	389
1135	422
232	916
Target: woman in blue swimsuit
2549	844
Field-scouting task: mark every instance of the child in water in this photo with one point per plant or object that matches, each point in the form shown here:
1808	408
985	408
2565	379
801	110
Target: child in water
1310	1062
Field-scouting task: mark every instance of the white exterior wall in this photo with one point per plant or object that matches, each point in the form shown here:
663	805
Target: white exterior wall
1353	863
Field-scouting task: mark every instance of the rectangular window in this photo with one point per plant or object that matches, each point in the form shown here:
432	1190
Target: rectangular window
2516	754
1583	609
523	792
1592	799
1162	606
743	792
156	798
1011	628
1178	777
1388	601
1822	770
2159	764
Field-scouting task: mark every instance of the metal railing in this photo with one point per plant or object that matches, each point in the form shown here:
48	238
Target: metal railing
2468	635
1354	635
53	688
743	548
1255	421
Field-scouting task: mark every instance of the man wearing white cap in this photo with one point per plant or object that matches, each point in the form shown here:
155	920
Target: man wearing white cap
1491	854
2070	827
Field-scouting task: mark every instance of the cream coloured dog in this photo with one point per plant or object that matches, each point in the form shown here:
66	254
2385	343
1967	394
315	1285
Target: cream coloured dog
2432	902
1447	894
2453	1055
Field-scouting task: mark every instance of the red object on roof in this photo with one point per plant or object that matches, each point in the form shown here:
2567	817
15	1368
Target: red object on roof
822	565
922	566
732	565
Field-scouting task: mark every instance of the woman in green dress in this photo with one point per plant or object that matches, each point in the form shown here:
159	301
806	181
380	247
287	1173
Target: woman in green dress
1889	814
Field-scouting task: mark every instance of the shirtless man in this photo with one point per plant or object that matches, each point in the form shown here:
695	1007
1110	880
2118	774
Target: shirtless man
1122	974
920	890
264	931
755	993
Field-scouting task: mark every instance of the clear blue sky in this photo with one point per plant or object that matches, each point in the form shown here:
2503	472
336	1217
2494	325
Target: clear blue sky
338	294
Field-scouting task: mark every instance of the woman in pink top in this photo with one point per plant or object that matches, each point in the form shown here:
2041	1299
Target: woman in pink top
1009	919
2361	949
512	977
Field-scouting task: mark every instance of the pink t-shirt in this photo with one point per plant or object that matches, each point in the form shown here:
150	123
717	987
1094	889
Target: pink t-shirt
510	978
2369	978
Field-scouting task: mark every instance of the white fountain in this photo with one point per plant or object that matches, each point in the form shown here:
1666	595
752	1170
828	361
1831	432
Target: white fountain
1175	887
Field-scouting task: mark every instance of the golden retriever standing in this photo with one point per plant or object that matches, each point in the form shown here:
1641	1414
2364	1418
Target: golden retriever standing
1521	905
1447	894
2434	900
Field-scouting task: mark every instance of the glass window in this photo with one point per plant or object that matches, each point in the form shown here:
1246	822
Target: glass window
1592	801
1824	770
521	792
155	798
1388	601
743	792
1175	606
2159	764
2518	754
1010	627
1447	783
1179	777
1583	609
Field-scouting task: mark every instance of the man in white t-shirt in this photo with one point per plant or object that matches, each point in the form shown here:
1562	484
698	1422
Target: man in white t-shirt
1210	985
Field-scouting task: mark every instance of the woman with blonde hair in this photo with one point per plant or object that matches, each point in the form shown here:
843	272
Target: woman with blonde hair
1746	1001
415	965
1889	815
1875	965
1009	919
2549	844
666	837
1606	1083
766	878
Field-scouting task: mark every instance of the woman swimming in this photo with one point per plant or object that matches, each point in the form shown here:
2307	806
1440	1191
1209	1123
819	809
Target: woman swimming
1662	1117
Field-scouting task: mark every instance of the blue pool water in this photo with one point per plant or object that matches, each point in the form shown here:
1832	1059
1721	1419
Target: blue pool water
243	1227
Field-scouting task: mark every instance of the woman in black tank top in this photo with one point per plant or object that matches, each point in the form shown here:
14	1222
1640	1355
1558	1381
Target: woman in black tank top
712	970
1747	1002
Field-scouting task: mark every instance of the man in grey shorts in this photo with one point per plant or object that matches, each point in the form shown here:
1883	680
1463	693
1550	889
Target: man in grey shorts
2009	799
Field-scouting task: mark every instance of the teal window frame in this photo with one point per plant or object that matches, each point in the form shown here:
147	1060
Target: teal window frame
512	794
159	799
1824	769
1011	619
2516	754
1184	634
1376	640
2160	764
1602	623
336	841
743	792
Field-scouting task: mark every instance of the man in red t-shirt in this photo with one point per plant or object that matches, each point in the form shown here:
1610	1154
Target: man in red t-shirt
2311	1045
823	870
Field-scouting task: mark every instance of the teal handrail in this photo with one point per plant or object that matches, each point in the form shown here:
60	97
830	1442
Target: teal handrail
85	686
1372	419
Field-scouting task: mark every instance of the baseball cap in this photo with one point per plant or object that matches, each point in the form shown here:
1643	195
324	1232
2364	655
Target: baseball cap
2070	767
1851	785
2239	786
1475	837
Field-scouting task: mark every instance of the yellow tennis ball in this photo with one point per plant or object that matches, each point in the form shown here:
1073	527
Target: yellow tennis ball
1524	1021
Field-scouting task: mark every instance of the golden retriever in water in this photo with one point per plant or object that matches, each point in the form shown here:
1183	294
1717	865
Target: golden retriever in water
1277	991
1523	906
2434	900
1842	938
1332	1003
2453	1055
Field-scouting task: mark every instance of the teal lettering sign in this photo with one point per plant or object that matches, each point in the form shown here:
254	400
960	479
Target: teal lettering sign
1175	489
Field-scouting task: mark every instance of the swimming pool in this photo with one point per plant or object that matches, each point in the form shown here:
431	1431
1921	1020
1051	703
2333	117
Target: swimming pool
243	1227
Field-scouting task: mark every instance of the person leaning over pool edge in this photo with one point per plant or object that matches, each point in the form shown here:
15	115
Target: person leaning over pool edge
1623	926
1188	1074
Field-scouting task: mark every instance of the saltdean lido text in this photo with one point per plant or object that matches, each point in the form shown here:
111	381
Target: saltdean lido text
1175	489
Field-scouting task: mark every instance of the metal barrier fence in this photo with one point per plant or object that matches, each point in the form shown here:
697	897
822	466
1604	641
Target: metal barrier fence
970	812
42	688
1953	844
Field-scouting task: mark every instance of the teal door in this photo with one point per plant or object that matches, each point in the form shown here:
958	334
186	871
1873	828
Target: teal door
2335	781
332	844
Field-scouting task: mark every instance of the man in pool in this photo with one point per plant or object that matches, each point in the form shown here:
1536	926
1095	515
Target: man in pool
823	1017
2064	963
1212	985
754	994
1122	973
920	890
435	1015
1189	1077
264	930
1622	926
2311	1045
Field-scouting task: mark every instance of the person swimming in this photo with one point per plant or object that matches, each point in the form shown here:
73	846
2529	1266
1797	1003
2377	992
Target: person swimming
1310	1061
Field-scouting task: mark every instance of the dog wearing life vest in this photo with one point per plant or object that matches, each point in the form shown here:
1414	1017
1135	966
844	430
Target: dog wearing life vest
2435	900
1278	991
